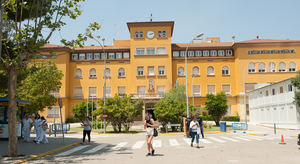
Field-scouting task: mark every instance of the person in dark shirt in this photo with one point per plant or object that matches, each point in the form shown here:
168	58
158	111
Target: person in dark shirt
199	119
188	121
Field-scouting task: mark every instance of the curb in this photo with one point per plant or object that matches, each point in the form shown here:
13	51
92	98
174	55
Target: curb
47	153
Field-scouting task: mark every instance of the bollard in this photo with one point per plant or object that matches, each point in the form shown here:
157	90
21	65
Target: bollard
274	128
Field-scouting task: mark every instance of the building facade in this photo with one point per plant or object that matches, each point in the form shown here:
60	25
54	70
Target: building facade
149	64
274	104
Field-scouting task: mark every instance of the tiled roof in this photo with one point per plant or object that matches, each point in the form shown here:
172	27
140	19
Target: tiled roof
52	46
222	44
269	41
100	48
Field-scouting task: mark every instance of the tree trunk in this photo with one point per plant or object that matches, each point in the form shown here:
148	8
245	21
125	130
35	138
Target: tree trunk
217	123
120	127
12	112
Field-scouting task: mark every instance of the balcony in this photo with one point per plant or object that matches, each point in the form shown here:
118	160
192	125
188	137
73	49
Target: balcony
147	95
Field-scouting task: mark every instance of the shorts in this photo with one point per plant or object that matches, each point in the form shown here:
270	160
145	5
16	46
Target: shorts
149	131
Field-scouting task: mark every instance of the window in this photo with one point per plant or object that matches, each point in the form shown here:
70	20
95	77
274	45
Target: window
273	91
271	51
210	71
226	89
136	34
121	72
190	53
261	52
292	67
267	93
211	89
107	73
162	34
261	67
126	55
198	53
81	56
53	111
89	56
93	73
160	90
280	51
281	89
103	55
121	90
205	53
111	55
74	56
225	70
141	90
78	73
92	92
119	55
221	53
228	52
108	92
44	56
175	53
78	92
291	51
272	67
195	71
96	55
159	34
150	85
213	53
182	53
139	34
282	67
196	90
150	51
290	88
53	56
140	71
161	50
151	71
161	70
140	51
250	52
251	67
180	71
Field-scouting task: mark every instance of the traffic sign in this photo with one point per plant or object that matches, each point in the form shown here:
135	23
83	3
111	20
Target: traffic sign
104	115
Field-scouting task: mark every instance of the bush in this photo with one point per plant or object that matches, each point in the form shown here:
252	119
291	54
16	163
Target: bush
231	118
207	118
72	120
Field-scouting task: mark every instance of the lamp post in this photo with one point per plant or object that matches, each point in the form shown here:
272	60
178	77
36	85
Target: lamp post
186	78
104	87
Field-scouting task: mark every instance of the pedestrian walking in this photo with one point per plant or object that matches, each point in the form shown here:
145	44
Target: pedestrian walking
27	125
87	128
188	121
43	126
37	121
200	121
149	125
195	130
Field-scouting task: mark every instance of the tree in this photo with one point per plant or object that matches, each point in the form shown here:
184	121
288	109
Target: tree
21	37
80	110
296	83
216	105
177	93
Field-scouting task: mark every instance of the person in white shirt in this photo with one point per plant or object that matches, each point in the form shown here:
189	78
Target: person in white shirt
27	125
42	126
87	128
195	128
36	124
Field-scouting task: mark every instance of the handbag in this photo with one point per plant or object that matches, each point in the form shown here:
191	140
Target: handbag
155	133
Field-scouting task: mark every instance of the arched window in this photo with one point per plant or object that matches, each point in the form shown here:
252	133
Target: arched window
225	70
92	73
107	72
292	67
196	71
121	72
180	71
210	70
282	67
78	73
251	67
261	67
272	67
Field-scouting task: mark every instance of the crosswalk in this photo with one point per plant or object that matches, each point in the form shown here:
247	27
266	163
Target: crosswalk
166	142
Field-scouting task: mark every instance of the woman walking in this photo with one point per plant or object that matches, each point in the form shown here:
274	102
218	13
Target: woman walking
27	125
87	128
43	126
195	128
149	125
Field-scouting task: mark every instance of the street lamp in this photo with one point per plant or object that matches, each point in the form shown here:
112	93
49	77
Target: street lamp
186	78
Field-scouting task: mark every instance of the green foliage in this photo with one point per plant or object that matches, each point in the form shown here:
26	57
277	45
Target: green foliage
296	83
72	120
207	118
121	110
216	106
41	79
79	110
231	118
177	93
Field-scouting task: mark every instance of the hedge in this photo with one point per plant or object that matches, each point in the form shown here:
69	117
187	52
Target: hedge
225	118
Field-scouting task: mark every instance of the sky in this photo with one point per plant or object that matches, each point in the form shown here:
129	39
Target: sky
245	19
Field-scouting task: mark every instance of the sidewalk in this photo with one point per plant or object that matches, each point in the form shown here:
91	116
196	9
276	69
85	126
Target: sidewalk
31	149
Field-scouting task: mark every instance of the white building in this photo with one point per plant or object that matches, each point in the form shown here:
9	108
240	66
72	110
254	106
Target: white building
274	103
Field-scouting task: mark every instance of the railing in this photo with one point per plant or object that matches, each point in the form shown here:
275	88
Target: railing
147	95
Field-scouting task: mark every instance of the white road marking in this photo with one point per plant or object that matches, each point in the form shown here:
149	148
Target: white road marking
244	139
157	143
71	151
138	145
119	146
188	141
254	137
230	139
204	141
95	149
216	139
173	142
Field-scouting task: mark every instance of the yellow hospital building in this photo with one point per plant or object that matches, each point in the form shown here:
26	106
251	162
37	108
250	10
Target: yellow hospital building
149	64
